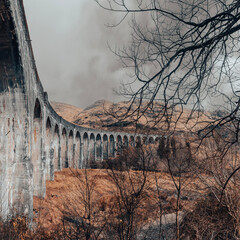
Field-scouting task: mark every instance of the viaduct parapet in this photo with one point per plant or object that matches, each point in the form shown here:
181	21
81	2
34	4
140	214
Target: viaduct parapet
35	141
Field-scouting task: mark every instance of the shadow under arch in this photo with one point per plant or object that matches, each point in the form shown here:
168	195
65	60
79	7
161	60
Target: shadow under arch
92	147
70	150
56	149
77	161
85	149
151	140
99	147
48	147
111	146
138	142
125	141
119	143
64	147
105	147
131	141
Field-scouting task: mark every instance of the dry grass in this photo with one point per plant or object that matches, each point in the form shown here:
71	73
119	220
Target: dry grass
64	192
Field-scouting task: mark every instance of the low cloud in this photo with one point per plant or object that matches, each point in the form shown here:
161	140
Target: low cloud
70	41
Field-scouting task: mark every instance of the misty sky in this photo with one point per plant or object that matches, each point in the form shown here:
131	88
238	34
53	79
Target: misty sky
69	39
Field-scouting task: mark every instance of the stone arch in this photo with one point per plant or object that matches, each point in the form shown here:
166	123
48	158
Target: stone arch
92	147
37	110
64	147
56	148
37	153
151	140
119	143
157	139
48	147
85	149
70	151
77	151
105	147
125	141
98	147
111	146
144	140
131	141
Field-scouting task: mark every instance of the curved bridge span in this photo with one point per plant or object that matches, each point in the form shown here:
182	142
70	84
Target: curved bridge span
35	141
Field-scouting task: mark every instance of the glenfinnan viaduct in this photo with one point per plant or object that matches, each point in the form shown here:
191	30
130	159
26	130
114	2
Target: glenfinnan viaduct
34	140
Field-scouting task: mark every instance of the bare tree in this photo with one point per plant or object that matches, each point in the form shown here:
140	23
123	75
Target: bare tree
185	54
179	164
82	215
130	195
182	53
216	213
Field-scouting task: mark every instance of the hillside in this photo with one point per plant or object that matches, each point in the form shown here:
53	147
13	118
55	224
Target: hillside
67	111
182	185
64	195
107	115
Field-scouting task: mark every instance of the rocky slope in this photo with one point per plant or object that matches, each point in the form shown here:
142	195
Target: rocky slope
106	115
67	111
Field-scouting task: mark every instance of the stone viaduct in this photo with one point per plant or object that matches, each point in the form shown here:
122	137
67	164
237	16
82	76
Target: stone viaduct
35	141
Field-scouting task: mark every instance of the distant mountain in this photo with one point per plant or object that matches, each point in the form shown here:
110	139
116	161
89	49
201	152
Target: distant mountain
66	111
105	115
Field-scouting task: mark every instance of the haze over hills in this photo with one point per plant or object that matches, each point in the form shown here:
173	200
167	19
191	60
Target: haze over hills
102	115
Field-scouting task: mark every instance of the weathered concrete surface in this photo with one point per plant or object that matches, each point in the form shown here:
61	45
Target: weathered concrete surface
34	141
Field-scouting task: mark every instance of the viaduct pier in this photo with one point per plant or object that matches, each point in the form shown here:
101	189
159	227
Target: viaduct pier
35	141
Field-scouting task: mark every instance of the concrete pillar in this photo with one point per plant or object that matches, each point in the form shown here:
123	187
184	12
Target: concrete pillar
101	150
74	157
48	146
81	156
51	164
4	188
63	144
114	148
95	152
66	163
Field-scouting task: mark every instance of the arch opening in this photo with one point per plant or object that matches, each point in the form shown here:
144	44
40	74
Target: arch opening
70	150
150	140
48	125
92	147
105	147
138	142
48	151
131	141
99	147
119	143
37	110
77	154
56	147
64	147
144	140
85	149
125	141
111	146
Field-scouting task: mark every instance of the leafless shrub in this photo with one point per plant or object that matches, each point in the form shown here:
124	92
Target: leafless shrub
208	220
83	215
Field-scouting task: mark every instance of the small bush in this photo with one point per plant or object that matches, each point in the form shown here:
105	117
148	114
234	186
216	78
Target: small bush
209	220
